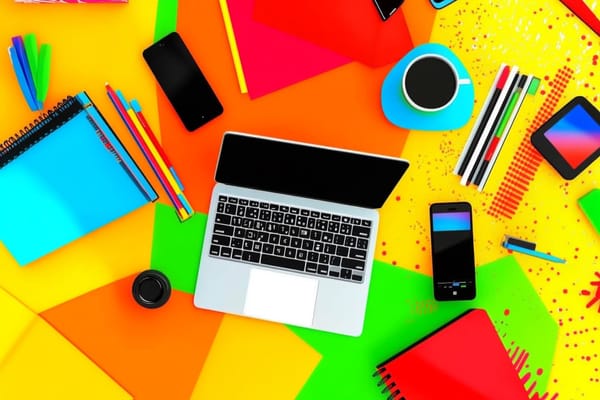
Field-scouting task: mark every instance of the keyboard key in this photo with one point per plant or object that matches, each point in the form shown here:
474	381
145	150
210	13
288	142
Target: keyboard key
225	252
222	219
247	222
241	211
273	207
342	251
274	238
279	250
333	227
336	217
268	248
315	235
222	198
358	254
264	205
294	210
251	256
296	242
322	225
285	240
282	262
325	216
221	207
301	254
262	237
346	273
294	231
304	213
304	233
346	229
251	212
220	240
350	241
230	209
362	243
284	209
311	223
239	232
346	220
284	229
237	254
259	225
257	246
327	237
271	227
301	221
248	244
307	244
357	278
215	250
335	274
289	219
253	203
232	200
265	215
237	243
324	258
322	269
366	222
312	256
244	202
318	246
223	229
315	214
251	235
290	252
335	260
329	248
277	216
339	239
355	221
236	221
361	231
311	267
353	263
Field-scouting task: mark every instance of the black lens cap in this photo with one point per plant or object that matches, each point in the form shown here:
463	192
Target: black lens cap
151	289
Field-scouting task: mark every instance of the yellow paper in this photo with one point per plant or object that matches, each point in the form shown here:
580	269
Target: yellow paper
42	364
255	360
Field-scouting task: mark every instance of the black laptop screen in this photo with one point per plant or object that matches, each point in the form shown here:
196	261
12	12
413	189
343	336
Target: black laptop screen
294	168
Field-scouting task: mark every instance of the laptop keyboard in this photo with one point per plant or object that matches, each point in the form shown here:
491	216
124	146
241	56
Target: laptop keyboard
291	238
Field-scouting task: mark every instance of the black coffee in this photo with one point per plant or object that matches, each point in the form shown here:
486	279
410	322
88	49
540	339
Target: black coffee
430	82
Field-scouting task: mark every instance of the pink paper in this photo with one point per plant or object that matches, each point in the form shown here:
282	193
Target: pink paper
272	59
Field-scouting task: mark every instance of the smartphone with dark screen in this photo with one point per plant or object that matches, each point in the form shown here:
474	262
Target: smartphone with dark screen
387	7
182	81
453	257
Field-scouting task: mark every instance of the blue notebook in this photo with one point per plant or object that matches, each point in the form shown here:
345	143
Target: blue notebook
63	176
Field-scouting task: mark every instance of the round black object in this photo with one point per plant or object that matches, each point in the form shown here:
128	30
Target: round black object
151	289
430	82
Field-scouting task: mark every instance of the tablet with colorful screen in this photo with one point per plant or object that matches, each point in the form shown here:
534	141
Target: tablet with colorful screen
570	140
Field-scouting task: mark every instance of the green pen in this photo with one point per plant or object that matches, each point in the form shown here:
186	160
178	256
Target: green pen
43	72
31	50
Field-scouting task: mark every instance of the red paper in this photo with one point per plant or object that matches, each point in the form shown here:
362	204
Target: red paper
463	360
351	28
272	59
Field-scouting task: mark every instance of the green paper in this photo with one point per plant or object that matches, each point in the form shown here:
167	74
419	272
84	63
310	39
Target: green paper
176	247
43	72
590	205
166	18
31	49
401	310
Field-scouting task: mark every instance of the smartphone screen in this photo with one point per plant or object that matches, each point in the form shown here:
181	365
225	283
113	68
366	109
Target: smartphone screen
453	258
182	81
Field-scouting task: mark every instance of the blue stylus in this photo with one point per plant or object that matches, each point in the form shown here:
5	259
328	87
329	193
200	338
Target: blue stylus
533	253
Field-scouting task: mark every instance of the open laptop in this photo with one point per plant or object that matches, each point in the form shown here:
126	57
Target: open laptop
291	232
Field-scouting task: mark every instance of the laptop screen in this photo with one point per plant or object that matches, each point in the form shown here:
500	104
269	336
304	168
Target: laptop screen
301	169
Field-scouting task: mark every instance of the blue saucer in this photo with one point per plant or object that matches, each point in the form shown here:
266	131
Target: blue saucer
400	113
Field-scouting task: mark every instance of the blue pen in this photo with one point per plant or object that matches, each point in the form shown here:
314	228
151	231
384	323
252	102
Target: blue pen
14	59
533	253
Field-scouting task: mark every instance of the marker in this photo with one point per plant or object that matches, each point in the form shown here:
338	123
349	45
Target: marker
31	50
22	80
484	115
43	72
511	244
584	13
530	87
19	46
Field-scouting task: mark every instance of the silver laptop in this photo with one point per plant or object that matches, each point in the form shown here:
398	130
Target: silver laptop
291	232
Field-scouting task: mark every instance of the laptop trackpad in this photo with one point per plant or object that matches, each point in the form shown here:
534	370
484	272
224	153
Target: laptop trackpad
281	297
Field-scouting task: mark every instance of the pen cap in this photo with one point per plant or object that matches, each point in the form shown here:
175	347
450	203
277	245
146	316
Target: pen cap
151	289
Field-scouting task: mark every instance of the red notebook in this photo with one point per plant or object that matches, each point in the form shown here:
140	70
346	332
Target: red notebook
464	359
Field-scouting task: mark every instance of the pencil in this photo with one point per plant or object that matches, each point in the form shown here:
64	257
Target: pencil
147	154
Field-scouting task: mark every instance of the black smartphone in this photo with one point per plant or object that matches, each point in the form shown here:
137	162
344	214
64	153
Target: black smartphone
387	7
182	81
452	254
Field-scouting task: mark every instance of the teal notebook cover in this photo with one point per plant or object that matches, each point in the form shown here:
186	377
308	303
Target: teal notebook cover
65	175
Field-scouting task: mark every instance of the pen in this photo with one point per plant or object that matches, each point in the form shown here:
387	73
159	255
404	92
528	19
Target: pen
138	112
22	80
147	154
19	46
43	72
31	50
484	115
156	156
533	253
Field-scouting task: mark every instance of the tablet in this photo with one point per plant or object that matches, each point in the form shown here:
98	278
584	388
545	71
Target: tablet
570	140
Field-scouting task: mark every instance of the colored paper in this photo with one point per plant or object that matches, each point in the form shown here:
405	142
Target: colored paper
401	310
271	59
465	359
67	184
275	366
355	31
36	362
152	353
176	247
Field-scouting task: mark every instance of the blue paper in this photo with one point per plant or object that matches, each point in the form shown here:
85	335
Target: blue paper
65	186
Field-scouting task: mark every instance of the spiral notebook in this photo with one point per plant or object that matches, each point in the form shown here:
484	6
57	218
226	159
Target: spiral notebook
464	359
63	176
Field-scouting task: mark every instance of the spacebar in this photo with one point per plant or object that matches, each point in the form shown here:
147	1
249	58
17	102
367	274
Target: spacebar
283	262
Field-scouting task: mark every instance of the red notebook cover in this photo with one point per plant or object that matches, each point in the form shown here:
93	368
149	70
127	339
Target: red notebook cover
464	359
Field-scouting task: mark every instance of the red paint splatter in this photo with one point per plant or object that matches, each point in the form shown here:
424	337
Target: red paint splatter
507	312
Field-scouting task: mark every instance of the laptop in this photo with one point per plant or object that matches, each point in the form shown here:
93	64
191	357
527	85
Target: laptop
291	232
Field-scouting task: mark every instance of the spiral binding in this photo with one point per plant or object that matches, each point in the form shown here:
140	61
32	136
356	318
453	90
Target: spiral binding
38	129
390	385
